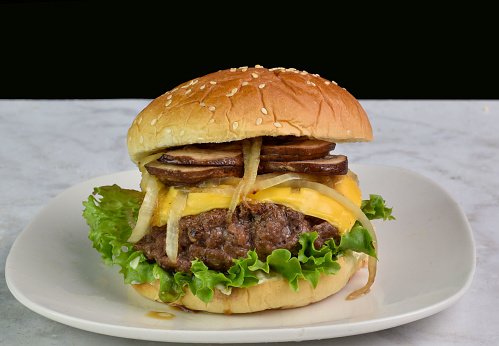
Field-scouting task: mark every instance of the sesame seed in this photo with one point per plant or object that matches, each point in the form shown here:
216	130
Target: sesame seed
188	91
168	130
255	75
232	92
233	69
140	120
316	75
174	89
153	122
168	103
261	86
194	81
277	125
235	124
258	66
182	132
211	121
327	82
213	82
141	139
310	83
169	97
244	68
244	83
211	108
259	121
202	104
264	110
202	86
334	82
303	73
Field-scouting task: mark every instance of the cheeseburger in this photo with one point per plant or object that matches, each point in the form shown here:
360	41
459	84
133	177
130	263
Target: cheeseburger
244	203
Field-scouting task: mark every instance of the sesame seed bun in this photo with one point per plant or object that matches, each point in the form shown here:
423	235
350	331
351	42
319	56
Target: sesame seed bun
274	294
241	103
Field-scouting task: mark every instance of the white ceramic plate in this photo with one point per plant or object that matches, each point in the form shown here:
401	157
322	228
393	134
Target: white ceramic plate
426	263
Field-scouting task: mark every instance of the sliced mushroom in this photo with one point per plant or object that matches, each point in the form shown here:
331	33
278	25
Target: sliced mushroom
171	174
333	164
203	157
304	149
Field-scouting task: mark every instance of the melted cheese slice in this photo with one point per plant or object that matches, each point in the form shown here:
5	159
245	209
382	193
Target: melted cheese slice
303	200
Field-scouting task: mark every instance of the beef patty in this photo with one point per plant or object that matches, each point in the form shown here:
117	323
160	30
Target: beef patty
262	227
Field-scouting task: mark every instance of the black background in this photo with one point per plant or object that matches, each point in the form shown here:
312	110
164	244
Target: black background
74	49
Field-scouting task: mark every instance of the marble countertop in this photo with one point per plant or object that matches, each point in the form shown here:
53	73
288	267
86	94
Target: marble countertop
48	146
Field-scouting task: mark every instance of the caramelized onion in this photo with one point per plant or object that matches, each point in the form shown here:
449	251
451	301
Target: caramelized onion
172	229
148	159
222	190
251	156
353	176
142	169
233	181
269	180
146	209
371	266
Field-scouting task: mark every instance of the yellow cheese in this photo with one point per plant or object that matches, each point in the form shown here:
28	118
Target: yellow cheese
304	200
197	202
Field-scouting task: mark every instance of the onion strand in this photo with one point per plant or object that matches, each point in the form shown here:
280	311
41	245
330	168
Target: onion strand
251	157
172	227
146	209
272	179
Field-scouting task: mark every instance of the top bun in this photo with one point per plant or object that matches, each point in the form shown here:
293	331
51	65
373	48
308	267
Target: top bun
241	103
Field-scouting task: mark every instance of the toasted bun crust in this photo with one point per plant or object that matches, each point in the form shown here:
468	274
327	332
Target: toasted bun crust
274	294
241	103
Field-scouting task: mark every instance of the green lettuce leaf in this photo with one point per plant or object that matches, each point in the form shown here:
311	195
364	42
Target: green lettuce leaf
242	273
358	239
108	221
375	208
204	280
109	231
108	218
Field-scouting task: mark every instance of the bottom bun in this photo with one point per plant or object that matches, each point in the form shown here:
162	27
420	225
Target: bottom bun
271	294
